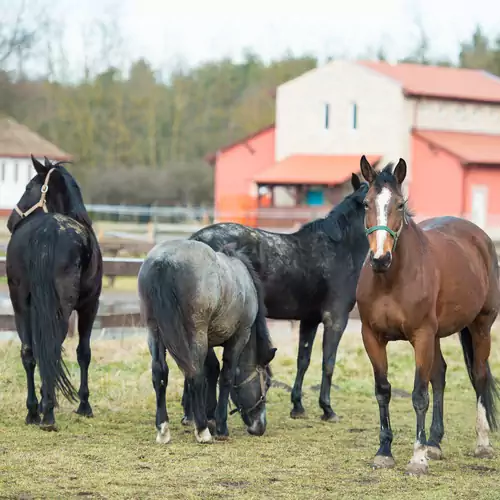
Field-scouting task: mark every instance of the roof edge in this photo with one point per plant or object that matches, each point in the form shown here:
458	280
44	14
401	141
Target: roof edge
418	133
212	157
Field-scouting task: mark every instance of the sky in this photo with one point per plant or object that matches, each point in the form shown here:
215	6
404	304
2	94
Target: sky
192	31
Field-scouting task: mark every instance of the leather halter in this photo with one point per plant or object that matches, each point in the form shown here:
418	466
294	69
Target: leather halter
42	203
395	234
259	372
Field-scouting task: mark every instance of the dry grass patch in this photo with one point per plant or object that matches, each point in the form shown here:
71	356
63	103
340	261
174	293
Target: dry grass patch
115	455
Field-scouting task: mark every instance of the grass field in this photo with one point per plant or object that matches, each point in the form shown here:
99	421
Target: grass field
114	455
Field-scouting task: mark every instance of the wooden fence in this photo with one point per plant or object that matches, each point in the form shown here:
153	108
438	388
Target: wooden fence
108	316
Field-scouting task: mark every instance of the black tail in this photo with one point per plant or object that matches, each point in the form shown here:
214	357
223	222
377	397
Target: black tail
490	394
265	349
48	327
159	284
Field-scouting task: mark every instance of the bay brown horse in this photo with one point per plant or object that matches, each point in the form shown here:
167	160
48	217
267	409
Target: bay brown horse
420	283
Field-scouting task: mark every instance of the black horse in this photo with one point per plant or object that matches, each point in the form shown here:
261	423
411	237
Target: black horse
309	275
54	266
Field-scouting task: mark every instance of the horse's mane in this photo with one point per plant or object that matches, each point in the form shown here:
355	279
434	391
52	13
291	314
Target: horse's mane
264	342
338	220
386	178
75	208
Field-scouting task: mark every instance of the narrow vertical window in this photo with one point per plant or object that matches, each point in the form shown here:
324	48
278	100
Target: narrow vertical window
3	171
354	116
16	173
327	115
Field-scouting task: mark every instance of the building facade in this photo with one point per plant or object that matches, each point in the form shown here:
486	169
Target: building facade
445	122
17	144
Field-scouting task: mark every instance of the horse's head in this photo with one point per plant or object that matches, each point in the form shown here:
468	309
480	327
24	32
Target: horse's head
386	213
53	189
251	383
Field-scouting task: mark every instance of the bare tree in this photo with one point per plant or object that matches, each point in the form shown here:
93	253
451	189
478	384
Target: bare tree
21	24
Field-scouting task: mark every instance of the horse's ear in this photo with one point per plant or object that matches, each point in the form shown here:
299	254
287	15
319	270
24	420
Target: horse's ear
400	171
39	167
355	182
270	355
367	170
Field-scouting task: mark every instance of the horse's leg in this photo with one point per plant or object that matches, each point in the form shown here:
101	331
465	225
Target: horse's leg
307	335
86	317
484	383
424	346
376	349
197	388
21	314
212	372
438	381
29	363
331	339
187	405
230	357
159	371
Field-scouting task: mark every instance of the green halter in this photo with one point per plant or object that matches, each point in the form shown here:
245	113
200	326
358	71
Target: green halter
394	234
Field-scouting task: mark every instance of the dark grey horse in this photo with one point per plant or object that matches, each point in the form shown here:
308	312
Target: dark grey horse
192	299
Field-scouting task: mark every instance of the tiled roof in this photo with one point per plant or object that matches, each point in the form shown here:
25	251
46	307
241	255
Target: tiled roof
312	169
470	148
441	82
18	141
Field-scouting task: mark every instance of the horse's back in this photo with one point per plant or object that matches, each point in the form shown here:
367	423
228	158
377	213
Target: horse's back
452	234
466	262
216	289
55	233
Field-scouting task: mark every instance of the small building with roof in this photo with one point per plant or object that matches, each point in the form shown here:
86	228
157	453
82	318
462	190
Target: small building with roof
17	144
445	122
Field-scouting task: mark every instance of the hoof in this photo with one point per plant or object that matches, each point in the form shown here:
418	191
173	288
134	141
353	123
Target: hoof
211	426
381	462
163	436
203	437
434	453
84	411
333	417
49	427
295	414
222	437
484	452
417	469
186	421
32	419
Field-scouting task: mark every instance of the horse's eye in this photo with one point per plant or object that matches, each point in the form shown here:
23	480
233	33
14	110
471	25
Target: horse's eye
365	204
401	206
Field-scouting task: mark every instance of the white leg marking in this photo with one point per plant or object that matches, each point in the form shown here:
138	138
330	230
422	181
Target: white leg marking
382	203
419	463
163	436
204	436
482	427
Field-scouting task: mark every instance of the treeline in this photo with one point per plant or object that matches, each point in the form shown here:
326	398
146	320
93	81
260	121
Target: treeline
141	138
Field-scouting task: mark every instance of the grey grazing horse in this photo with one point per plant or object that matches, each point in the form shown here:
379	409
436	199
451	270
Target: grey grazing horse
192	299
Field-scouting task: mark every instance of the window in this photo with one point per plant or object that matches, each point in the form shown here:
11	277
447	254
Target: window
327	115
3	171
354	116
16	173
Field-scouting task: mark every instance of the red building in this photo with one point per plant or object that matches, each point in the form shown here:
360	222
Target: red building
445	122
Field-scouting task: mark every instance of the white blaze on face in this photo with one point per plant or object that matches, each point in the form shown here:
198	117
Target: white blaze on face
382	205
